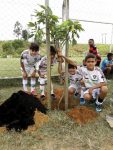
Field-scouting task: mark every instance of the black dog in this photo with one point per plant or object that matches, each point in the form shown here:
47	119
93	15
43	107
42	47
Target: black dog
17	111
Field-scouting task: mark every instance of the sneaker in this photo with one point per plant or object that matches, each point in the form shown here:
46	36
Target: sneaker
92	102
82	101
98	108
76	94
33	93
53	97
42	97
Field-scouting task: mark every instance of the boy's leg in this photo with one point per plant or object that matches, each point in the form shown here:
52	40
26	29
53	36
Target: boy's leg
87	97
102	95
107	72
52	92
82	100
33	81
71	91
42	87
24	81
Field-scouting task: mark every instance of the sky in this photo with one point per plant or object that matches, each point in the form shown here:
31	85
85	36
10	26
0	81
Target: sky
92	10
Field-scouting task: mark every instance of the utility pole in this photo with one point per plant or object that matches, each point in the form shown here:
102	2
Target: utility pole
102	38
111	39
105	37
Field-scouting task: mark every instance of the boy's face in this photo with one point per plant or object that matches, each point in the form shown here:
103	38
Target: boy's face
34	53
110	57
52	57
72	71
91	43
90	63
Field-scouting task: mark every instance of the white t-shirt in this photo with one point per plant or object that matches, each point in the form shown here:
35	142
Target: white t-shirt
28	60
75	79
92	77
42	65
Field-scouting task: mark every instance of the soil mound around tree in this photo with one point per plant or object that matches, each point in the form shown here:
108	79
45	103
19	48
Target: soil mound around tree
59	102
82	114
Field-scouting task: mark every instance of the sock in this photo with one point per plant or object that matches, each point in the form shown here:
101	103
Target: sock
42	86
82	94
98	102
52	89
33	83
24	82
42	89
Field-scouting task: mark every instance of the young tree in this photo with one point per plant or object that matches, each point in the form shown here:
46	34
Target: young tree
17	29
59	32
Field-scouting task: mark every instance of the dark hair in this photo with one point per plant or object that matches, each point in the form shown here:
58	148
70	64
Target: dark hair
109	55
91	40
70	66
90	56
52	50
34	47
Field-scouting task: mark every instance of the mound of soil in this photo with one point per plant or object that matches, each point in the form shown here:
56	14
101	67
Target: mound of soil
82	114
59	102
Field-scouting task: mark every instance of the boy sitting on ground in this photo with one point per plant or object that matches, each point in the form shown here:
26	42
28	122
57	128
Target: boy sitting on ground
74	76
95	82
107	65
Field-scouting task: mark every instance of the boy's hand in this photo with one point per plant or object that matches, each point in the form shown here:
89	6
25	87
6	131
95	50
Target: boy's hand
59	53
90	91
24	74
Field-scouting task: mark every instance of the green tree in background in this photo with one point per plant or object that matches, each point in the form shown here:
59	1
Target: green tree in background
17	29
25	35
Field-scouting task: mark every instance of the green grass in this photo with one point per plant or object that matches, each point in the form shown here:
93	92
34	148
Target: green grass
10	67
62	133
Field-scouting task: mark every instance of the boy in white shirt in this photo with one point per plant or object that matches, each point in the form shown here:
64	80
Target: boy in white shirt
74	77
28	60
41	67
94	81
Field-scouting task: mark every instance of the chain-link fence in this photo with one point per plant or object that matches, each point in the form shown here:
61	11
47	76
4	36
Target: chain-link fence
101	32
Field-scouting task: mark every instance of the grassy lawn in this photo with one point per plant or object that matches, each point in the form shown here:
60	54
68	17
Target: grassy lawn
62	133
10	67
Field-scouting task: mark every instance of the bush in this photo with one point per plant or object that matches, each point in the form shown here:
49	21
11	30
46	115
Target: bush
7	47
17	44
18	53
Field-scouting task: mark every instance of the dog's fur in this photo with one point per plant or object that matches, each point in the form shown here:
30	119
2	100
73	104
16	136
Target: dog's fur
17	111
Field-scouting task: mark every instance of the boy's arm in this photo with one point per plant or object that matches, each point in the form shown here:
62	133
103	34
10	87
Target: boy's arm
22	64
99	85
60	67
69	61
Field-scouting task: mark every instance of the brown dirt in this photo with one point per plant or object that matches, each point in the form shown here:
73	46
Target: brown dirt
40	119
60	103
82	114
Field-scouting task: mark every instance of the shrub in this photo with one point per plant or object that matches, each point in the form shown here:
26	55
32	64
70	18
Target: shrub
7	47
17	44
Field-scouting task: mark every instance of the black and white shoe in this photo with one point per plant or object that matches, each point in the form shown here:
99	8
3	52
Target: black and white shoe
53	97
42	97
